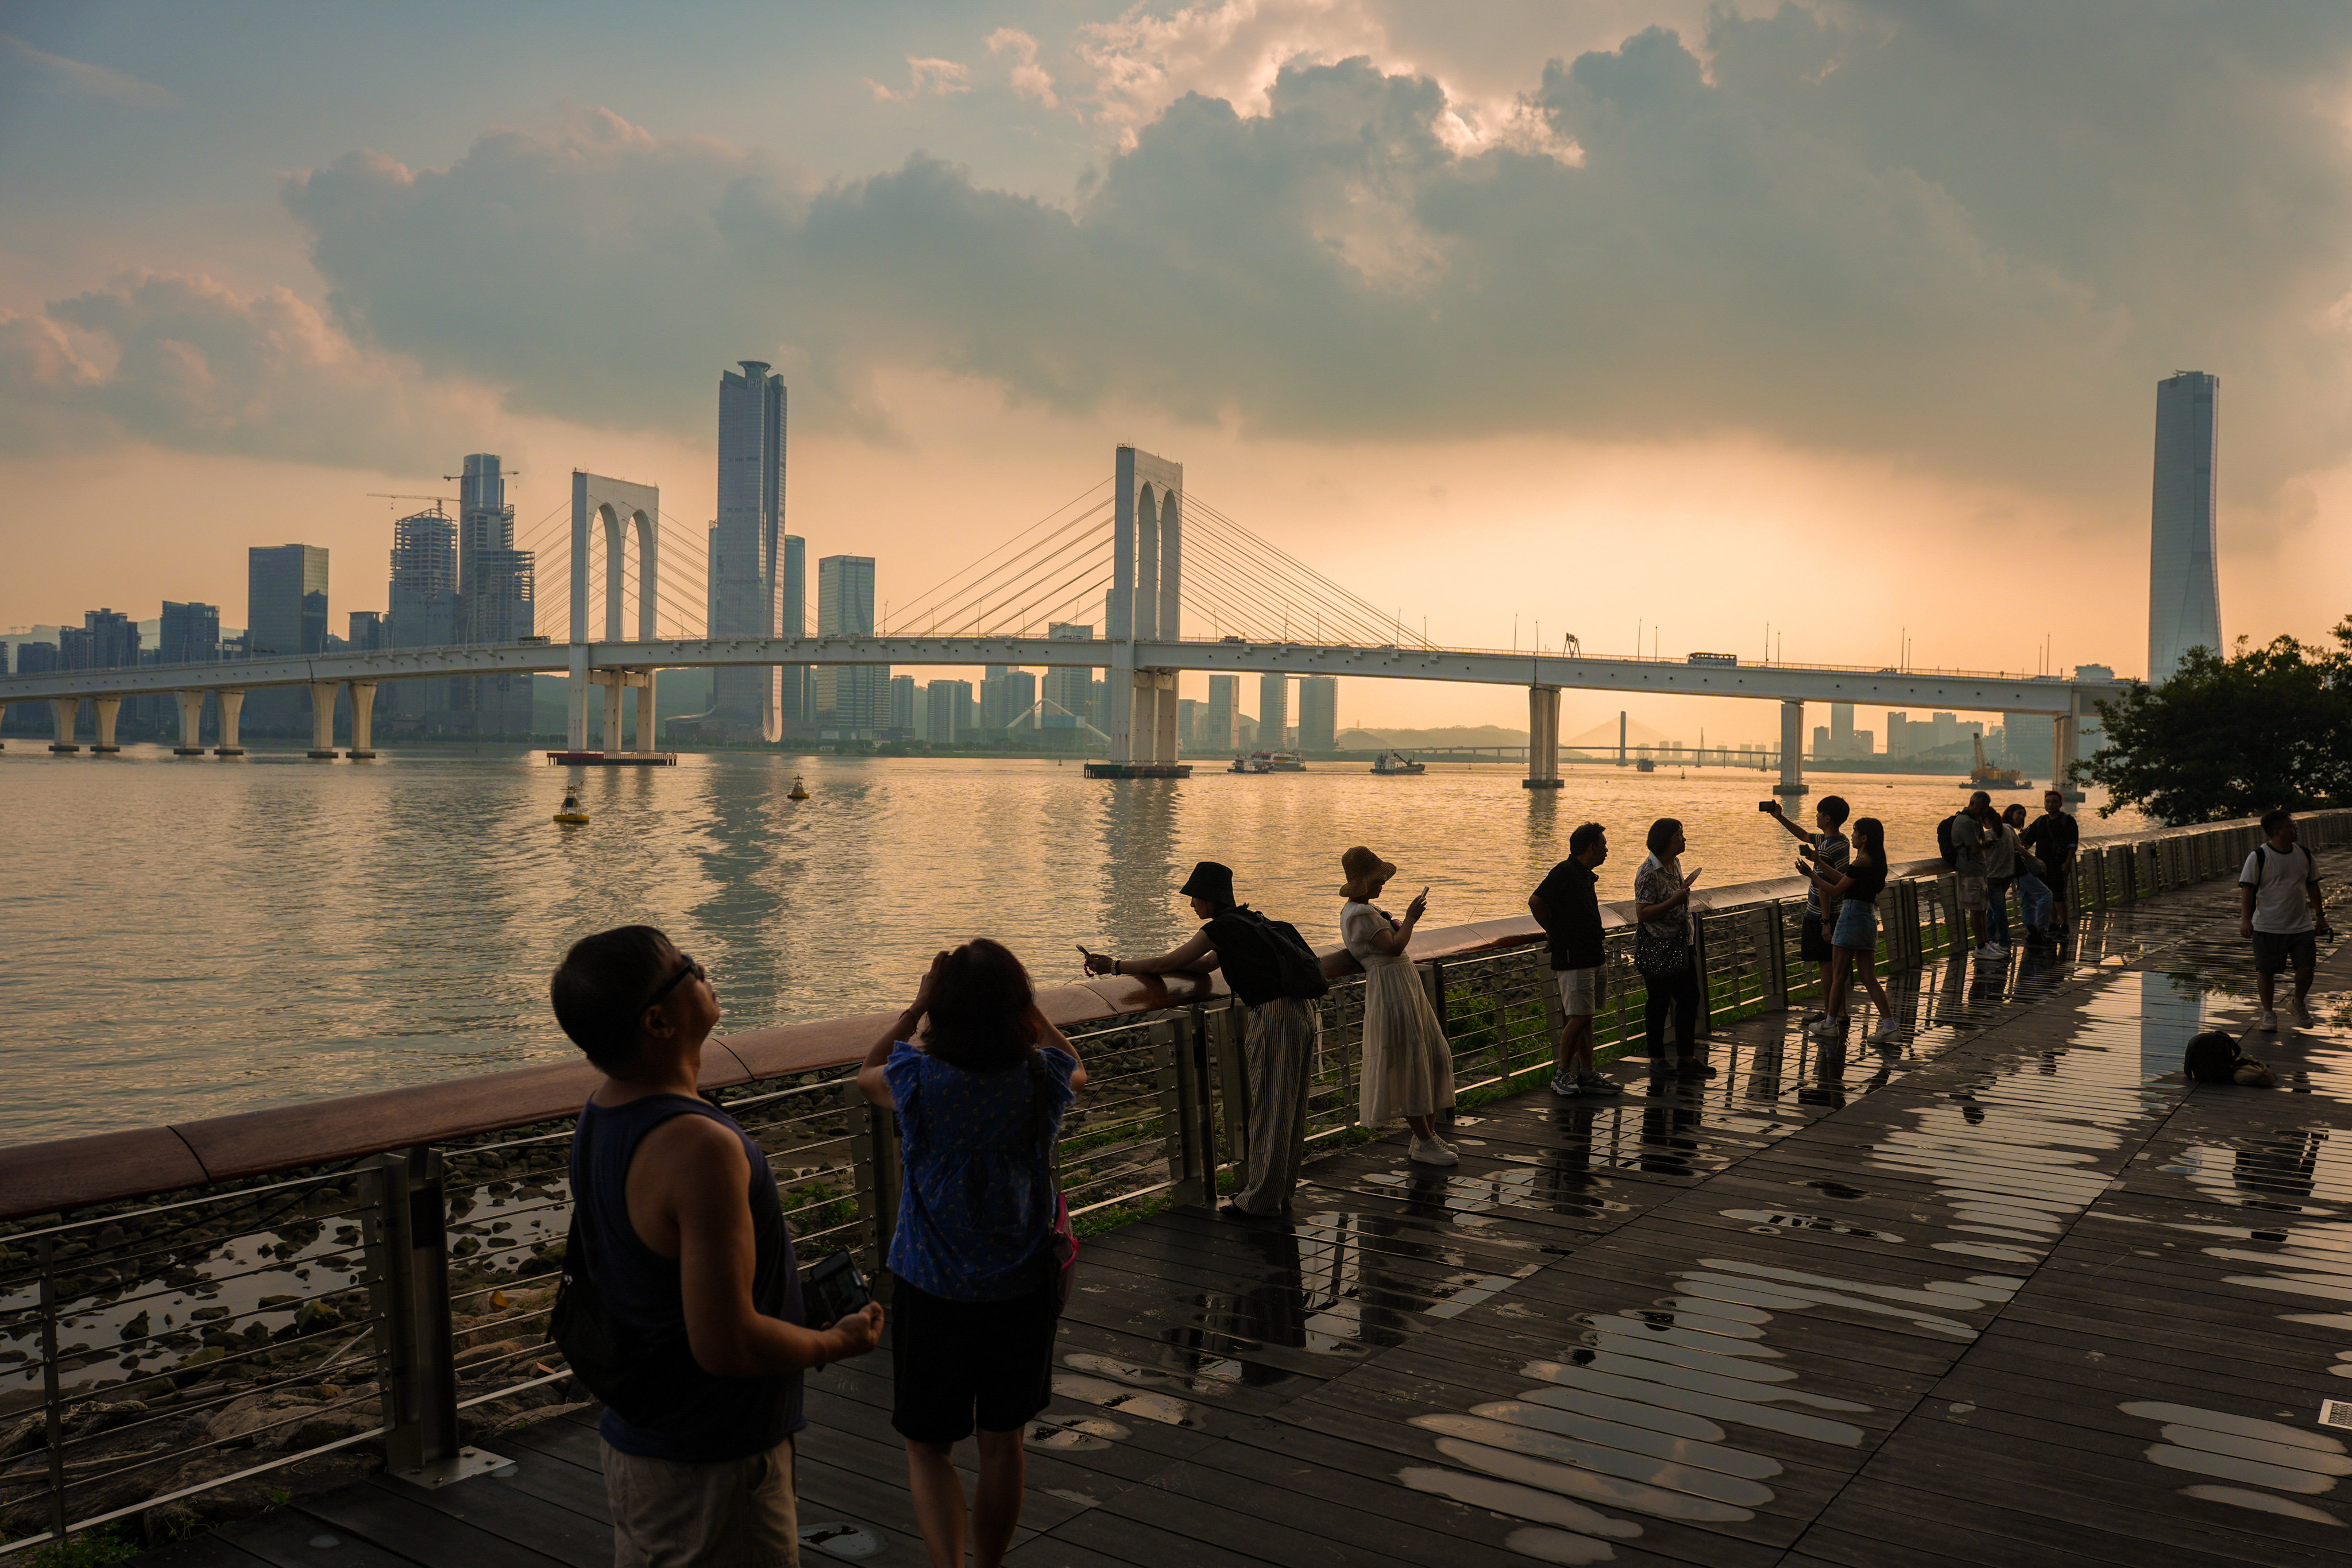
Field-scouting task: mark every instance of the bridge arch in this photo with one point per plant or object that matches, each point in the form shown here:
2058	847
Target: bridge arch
622	509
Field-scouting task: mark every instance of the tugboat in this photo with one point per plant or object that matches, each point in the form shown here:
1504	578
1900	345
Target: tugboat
571	816
799	790
1397	763
1984	775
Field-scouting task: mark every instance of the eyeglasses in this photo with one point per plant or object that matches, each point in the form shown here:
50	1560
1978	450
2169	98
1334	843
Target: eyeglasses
672	983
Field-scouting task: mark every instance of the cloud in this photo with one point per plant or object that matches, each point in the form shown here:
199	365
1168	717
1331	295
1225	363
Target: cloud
183	363
933	78
79	76
1229	49
1030	80
1963	244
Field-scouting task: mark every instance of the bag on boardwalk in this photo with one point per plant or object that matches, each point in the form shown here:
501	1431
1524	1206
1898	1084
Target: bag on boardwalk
2214	1058
1944	845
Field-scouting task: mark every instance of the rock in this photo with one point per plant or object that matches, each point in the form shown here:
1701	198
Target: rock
196	1367
206	1314
325	1429
271	1302
24	1435
138	1328
257	1418
316	1315
82	1420
111	1236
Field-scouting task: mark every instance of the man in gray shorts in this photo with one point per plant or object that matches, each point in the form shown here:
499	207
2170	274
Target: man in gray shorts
1568	907
2283	914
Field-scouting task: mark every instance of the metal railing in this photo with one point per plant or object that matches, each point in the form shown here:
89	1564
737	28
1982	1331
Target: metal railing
163	1343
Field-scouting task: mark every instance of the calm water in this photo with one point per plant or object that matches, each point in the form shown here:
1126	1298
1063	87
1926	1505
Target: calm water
188	937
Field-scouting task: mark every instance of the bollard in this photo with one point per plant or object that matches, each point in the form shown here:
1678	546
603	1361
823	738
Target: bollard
405	1240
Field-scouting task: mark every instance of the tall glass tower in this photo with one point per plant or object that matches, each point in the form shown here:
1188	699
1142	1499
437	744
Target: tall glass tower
2184	593
852	698
748	584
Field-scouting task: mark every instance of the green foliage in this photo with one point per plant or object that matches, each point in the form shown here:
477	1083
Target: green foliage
91	1548
2266	726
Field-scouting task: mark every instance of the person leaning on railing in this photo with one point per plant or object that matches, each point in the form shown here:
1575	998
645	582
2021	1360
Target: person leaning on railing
691	1256
975	1255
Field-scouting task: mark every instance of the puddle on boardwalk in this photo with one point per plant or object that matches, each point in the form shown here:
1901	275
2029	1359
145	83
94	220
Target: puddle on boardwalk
2304	1271
2290	1170
2263	1466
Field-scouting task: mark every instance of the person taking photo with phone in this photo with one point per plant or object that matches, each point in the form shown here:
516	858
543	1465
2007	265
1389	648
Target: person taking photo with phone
1830	850
978	1255
1408	1069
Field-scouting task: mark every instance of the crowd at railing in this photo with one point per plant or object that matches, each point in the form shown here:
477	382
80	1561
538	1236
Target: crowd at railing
192	1308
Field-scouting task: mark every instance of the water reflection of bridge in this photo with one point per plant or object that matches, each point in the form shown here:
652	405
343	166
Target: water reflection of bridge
1156	562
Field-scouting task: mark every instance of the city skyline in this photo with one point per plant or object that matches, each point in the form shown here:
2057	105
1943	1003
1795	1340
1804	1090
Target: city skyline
207	309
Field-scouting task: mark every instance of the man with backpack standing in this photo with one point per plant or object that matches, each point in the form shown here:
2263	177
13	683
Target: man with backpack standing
2281	912
1277	979
1964	837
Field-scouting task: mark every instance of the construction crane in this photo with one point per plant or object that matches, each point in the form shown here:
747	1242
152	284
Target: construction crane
438	501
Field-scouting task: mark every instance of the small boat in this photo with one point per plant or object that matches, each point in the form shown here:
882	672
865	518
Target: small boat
1985	775
1254	763
571	816
1397	763
799	790
1281	761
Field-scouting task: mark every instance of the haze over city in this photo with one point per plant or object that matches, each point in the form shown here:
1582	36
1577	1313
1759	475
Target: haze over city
1833	326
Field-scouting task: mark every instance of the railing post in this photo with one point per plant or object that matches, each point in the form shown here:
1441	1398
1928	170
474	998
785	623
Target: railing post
407	1236
1706	987
1233	1086
874	1152
52	1406
1772	954
1188	1162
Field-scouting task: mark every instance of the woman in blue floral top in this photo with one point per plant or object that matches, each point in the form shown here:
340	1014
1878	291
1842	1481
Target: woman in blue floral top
977	1299
1662	952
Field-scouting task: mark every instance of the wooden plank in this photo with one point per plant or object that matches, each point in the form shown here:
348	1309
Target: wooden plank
404	1524
488	1507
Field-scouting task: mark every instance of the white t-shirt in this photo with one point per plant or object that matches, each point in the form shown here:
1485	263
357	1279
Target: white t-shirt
2281	906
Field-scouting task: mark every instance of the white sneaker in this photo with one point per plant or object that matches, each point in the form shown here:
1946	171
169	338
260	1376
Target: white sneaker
1812	1015
1886	1031
2268	1022
2303	1014
1825	1026
1434	1152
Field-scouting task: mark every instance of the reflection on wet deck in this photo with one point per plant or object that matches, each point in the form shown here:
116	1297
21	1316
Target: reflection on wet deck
2002	1291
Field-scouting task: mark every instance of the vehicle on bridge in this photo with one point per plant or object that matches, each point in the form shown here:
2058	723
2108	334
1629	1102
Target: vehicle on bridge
1728	658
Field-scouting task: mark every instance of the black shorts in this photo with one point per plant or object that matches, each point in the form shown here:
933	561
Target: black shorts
2276	951
951	1362
1813	941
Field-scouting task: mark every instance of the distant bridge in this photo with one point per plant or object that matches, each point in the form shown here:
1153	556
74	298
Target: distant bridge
1148	590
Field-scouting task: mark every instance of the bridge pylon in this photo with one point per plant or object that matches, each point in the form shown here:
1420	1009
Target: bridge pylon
622	508
1145	606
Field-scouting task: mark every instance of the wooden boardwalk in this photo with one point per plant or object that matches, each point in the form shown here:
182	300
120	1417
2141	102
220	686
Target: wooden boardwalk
2003	1293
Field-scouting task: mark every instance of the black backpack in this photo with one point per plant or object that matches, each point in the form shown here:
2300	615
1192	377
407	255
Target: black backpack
1944	845
2212	1057
1299	965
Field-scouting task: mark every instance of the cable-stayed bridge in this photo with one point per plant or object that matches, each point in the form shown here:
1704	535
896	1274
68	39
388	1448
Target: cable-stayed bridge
1174	583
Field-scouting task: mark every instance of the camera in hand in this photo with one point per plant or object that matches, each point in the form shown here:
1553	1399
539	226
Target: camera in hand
832	1290
1764	806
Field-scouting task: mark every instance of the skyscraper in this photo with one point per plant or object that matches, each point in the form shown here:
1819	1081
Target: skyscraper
851	698
902	706
1840	730
424	613
2184	593
1273	711
497	589
284	616
1214	731
187	633
106	639
1070	687
749	594
1318	712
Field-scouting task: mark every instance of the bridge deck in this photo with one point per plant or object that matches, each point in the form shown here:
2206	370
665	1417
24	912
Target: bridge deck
2001	1294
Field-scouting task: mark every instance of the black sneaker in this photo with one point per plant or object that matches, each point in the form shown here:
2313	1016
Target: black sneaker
1566	1086
1693	1067
1593	1083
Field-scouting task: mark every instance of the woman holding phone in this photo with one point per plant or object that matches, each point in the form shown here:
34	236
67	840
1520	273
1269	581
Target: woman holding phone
1408	1066
1852	891
1662	952
978	1300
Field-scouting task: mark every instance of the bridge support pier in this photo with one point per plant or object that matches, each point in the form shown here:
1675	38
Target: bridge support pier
322	718
4	715
1543	739
645	715
615	682
2062	733
104	710
192	719
1792	751
64	710
362	721
232	703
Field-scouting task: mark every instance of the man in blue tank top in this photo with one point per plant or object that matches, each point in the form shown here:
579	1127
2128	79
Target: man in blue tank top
688	1246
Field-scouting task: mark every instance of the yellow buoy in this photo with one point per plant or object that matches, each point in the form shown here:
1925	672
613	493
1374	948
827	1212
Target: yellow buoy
571	816
800	790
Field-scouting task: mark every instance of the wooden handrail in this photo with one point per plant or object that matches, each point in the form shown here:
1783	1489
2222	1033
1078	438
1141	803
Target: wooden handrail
108	1167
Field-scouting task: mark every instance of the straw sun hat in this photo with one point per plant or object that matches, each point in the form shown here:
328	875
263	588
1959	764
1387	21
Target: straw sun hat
1365	870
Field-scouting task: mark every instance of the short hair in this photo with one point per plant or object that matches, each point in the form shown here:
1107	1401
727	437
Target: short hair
980	1014
1834	808
1585	837
599	991
1662	833
2273	821
1979	798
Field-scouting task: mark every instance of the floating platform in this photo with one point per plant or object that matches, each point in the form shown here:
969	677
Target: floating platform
613	759
1138	770
1543	783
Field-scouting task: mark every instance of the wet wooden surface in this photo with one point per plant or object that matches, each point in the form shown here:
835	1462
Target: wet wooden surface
2004	1291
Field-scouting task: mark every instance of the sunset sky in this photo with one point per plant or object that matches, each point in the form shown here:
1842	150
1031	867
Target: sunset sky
1843	318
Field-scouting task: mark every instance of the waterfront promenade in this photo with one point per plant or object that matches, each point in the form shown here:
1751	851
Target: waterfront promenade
2006	1292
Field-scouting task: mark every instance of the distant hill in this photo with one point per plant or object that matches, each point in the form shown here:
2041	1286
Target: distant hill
1424	740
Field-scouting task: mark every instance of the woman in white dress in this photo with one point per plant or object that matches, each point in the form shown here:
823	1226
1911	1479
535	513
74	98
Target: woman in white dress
1408	1066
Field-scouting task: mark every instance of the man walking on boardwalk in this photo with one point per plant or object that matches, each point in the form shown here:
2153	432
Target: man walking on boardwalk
1568	906
680	1277
1279	1048
2282	913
